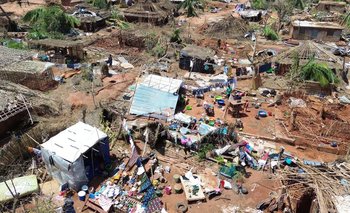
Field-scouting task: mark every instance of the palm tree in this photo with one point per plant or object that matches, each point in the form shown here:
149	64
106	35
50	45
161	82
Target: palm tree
191	5
51	19
318	72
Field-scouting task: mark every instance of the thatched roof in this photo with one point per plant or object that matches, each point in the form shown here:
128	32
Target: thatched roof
27	67
61	43
308	50
9	56
150	8
198	52
228	28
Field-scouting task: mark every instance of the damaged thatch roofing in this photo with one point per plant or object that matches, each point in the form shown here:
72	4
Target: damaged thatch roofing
228	28
28	67
61	43
308	50
150	8
197	52
10	91
9	56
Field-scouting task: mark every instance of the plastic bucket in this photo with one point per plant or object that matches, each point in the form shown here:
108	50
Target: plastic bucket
167	190
92	196
82	195
84	188
178	188
176	178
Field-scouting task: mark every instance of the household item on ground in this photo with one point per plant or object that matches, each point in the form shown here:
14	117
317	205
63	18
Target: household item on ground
167	190
23	186
177	188
176	178
181	207
85	188
228	172
82	195
213	194
192	192
218	97
221	102
262	113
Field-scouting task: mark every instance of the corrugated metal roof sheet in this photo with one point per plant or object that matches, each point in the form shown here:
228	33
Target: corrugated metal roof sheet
150	100
155	95
74	141
165	84
323	25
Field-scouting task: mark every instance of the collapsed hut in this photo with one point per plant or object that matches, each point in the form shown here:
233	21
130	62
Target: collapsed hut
317	187
201	57
228	28
14	109
305	52
157	12
16	66
91	20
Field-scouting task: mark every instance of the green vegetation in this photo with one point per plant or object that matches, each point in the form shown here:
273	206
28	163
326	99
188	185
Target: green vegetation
119	20
270	34
220	160
202	152
100	4
284	8
159	50
13	44
318	72
151	41
49	21
259	4
191	5
154	46
175	37
346	20
299	4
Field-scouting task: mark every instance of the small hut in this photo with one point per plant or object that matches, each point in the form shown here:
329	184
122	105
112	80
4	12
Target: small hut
201	57
157	12
90	19
306	51
64	49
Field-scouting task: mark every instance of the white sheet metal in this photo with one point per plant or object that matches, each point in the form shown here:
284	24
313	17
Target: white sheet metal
164	84
74	141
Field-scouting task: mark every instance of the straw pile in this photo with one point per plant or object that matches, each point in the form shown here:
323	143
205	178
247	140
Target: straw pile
228	28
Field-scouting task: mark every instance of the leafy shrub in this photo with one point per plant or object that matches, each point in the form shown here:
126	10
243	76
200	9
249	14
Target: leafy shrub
270	34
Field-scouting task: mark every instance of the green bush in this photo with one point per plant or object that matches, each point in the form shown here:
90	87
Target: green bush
175	37
270	34
158	50
202	152
13	44
151	41
50	21
259	4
